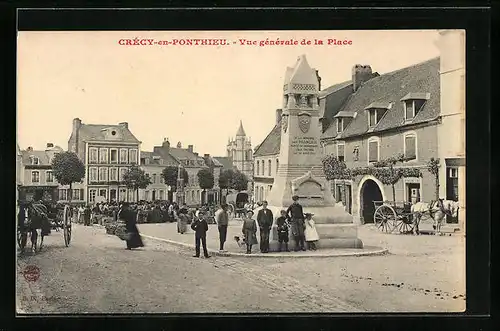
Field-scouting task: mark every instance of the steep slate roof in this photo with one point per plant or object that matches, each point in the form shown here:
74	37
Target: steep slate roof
94	132
184	154
334	88
226	162
167	159
43	156
391	88
271	144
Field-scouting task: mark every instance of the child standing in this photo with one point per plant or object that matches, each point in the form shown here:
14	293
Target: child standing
310	232
282	227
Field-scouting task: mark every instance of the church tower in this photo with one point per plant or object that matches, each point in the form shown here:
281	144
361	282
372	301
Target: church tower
240	151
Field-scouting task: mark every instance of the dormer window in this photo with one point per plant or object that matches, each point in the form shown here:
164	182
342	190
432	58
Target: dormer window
413	103
34	160
340	124
376	110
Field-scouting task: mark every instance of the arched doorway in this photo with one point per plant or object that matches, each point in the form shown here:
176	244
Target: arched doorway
370	191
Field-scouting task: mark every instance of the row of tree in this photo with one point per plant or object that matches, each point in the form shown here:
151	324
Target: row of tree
68	169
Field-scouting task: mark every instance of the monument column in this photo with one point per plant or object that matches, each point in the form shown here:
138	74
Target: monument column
300	171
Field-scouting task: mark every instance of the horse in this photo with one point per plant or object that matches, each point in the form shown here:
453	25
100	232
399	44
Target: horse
33	220
437	209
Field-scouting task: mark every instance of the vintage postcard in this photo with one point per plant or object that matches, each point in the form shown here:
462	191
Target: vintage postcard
240	171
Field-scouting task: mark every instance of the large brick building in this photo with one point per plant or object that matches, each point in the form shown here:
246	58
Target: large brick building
107	152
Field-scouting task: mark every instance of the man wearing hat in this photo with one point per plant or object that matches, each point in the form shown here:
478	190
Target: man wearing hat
265	221
296	214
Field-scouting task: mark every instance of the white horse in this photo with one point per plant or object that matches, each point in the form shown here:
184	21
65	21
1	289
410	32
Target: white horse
438	210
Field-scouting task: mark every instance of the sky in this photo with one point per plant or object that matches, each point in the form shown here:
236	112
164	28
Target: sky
193	94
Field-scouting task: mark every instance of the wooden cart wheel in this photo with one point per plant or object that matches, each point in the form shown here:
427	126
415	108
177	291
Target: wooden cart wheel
406	225
67	225
385	218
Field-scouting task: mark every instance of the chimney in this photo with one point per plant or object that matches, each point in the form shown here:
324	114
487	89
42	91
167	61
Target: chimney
206	156
360	74
196	154
29	149
124	124
77	124
279	112
50	145
190	148
179	145
319	80
166	145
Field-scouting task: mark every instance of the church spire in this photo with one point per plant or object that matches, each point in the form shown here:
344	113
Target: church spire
241	132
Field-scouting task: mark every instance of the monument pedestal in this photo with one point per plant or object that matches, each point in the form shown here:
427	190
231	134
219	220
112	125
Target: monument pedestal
300	171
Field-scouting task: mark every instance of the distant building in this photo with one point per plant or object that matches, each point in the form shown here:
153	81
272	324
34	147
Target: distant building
107	151
35	177
240	151
162	156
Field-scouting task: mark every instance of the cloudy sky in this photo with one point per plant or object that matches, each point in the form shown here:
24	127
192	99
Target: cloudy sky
193	94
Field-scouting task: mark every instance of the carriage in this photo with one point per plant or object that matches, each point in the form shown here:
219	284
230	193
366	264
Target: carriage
405	218
236	203
390	216
38	220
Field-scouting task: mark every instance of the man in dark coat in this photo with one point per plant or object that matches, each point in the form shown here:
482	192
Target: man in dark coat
222	220
265	221
86	216
296	214
200	228
134	241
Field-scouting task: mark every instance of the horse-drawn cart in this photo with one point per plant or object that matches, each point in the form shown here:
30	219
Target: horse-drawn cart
36	219
392	216
405	218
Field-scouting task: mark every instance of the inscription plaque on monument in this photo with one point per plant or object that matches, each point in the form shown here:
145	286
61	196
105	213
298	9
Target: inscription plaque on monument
304	145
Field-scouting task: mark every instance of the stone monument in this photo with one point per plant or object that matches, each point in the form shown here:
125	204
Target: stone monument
300	171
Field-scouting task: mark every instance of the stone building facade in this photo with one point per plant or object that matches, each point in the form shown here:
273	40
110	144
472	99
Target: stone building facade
35	177
107	151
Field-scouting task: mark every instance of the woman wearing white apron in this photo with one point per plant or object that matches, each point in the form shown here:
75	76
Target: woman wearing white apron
310	232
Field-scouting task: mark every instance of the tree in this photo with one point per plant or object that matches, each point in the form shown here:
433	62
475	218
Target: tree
170	174
225	178
433	168
205	180
135	178
239	181
68	169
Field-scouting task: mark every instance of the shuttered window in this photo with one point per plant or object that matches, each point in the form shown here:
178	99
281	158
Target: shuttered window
409	110
340	152
410	147
373	151
373	117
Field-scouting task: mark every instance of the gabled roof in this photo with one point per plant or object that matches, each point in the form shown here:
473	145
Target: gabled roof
154	158
271	144
184	154
43	157
301	73
226	162
344	114
96	132
391	88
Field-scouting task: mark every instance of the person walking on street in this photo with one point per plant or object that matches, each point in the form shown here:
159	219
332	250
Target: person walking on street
222	221
282	227
265	220
86	216
249	231
296	214
182	220
129	217
310	232
200	228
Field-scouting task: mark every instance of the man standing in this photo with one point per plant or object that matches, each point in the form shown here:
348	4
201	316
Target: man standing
222	221
265	221
296	214
200	228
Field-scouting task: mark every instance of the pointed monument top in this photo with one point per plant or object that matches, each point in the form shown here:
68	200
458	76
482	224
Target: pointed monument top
241	132
301	73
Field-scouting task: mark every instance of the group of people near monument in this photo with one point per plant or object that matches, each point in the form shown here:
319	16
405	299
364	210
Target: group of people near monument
294	220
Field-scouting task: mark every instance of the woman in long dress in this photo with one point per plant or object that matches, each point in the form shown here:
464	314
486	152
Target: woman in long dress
182	220
310	232
134	240
249	231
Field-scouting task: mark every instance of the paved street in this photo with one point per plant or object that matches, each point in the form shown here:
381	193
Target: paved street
97	275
